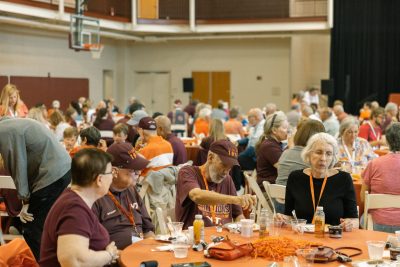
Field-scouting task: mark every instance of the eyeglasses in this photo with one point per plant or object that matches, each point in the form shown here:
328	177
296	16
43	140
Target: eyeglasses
107	173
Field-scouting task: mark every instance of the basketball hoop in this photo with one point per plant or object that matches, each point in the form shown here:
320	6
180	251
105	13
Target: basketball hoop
95	49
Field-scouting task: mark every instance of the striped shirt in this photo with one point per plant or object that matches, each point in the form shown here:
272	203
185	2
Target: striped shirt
159	152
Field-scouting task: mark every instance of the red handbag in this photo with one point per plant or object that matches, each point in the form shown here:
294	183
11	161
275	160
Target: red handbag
227	250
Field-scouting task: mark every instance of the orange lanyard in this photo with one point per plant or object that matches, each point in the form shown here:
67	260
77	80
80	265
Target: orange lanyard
128	215
320	194
212	207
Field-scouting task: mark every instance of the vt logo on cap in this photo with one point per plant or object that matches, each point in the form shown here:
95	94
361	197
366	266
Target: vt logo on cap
132	153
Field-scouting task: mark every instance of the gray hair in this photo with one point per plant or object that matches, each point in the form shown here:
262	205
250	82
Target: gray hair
347	123
270	108
338	108
391	106
393	136
273	121
325	138
307	111
204	112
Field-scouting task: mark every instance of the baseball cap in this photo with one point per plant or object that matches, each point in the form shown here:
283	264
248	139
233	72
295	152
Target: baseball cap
55	104
125	157
147	123
226	151
137	116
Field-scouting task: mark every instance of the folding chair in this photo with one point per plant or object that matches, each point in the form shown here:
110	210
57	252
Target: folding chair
378	201
262	201
274	191
6	182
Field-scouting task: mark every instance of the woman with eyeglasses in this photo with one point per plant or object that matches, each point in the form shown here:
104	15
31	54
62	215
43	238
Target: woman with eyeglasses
321	185
72	234
353	150
269	147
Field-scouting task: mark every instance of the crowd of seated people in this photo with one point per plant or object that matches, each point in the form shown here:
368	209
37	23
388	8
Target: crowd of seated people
304	149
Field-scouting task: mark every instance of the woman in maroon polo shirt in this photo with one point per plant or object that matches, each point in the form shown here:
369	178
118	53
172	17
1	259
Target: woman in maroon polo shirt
269	148
72	234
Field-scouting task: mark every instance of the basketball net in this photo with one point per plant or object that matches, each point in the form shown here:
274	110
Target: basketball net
95	50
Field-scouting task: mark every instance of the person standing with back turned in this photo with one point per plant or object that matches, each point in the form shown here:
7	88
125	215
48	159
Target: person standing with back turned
40	168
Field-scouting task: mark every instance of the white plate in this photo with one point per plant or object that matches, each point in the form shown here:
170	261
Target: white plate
310	228
236	226
163	238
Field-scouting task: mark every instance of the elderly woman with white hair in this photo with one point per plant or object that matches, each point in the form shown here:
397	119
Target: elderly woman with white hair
322	185
354	150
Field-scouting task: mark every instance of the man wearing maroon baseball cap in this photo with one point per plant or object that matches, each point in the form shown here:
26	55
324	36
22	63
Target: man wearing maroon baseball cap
122	211
209	189
154	148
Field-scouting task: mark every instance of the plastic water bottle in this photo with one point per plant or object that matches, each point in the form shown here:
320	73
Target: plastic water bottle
263	222
253	215
319	222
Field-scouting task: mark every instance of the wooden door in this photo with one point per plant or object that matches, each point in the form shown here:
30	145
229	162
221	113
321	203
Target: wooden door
148	9
202	86
220	84
209	87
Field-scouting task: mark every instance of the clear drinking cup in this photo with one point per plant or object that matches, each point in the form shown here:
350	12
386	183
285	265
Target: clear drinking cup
246	227
180	248
298	226
175	228
306	256
375	249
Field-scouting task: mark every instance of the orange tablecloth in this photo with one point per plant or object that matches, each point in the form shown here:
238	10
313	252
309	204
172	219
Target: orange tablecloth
133	255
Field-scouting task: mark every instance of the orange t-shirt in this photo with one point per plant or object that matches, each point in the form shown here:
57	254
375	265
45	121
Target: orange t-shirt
159	152
201	126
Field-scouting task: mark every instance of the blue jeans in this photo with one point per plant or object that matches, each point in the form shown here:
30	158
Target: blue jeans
382	227
279	207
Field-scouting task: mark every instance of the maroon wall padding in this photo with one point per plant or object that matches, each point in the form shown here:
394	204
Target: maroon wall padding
3	81
225	9
44	90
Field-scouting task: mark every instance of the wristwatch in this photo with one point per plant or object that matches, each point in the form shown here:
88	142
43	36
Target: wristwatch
24	202
149	264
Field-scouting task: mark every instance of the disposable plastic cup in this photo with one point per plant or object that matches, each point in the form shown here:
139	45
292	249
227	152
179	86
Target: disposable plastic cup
246	227
375	249
276	226
306	256
180	249
175	228
298	226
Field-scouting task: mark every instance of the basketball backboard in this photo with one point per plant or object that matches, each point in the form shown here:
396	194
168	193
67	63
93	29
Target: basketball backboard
84	33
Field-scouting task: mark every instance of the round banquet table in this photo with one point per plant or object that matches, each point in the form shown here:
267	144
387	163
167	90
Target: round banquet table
136	253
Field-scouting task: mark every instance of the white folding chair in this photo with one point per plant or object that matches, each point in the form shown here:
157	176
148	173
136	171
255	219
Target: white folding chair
106	134
262	201
6	182
378	201
276	191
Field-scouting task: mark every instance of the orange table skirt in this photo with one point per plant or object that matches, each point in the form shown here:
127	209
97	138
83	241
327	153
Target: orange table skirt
133	255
